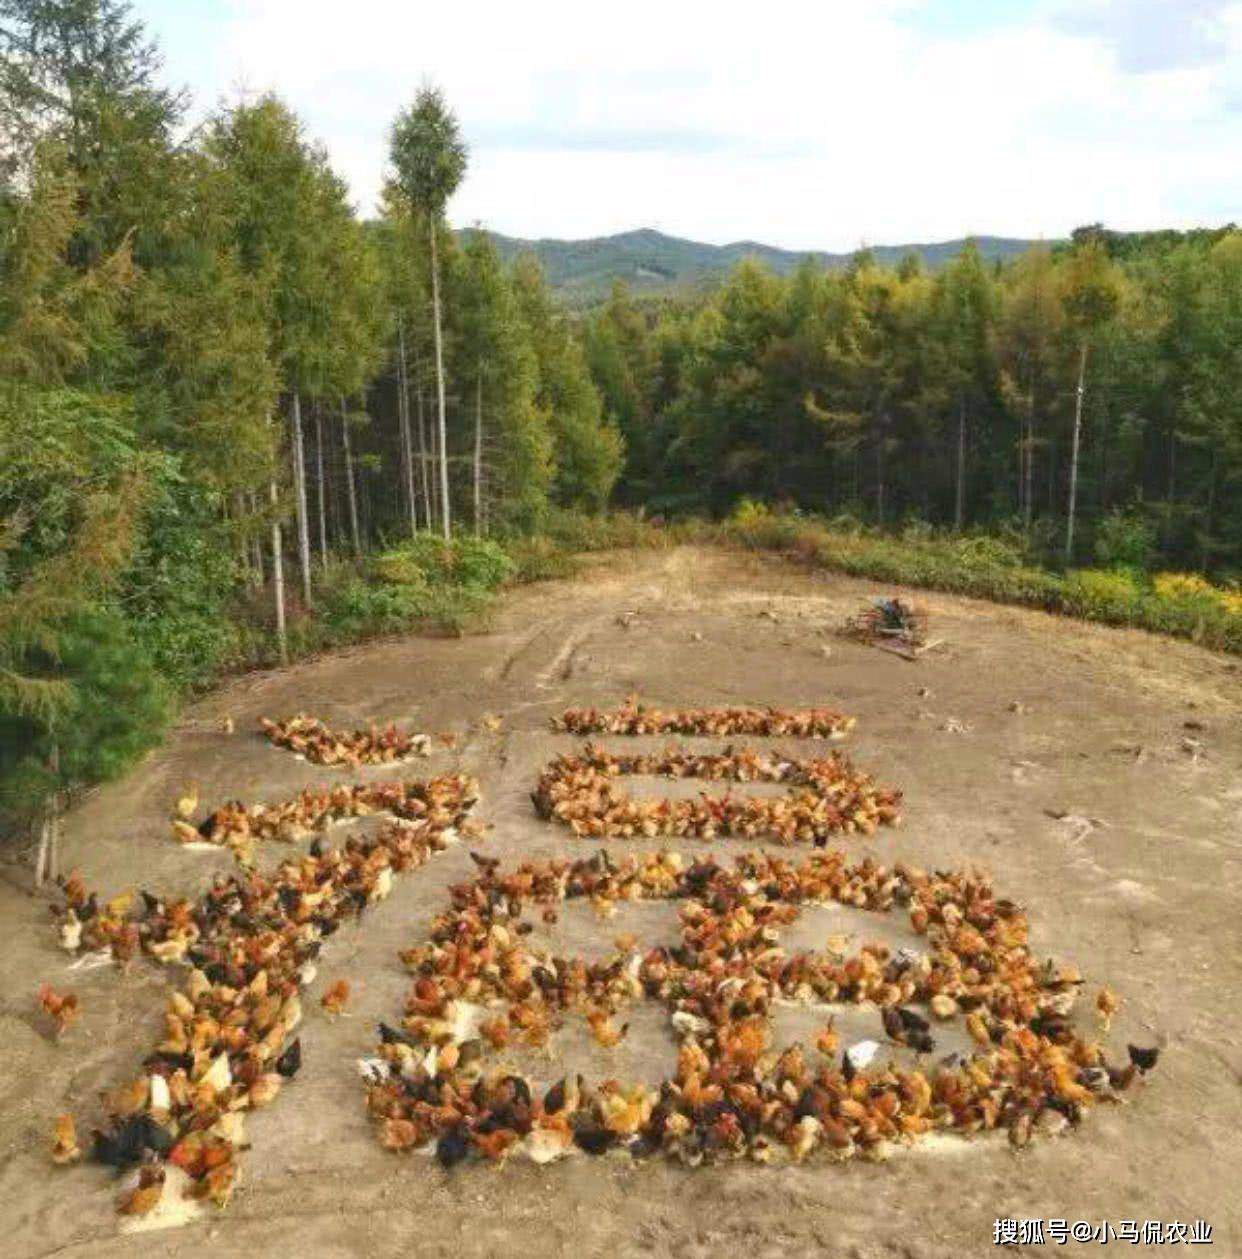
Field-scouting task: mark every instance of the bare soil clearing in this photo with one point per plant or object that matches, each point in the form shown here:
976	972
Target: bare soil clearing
1017	717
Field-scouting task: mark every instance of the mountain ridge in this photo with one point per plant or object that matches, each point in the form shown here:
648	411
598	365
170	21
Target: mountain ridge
652	262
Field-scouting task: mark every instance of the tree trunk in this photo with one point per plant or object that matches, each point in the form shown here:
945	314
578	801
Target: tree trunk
1209	517
424	467
435	312
403	420
434	460
349	483
278	577
47	859
254	542
1075	447
1028	507
879	477
236	517
478	452
299	486
959	499
323	488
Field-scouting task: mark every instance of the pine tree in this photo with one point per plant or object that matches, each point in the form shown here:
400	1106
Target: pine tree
965	321
429	158
512	457
588	450
1091	293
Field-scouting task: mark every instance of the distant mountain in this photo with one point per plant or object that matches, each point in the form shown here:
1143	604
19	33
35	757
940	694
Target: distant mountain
583	270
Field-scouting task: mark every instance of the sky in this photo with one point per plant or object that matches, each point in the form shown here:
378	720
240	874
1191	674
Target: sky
821	124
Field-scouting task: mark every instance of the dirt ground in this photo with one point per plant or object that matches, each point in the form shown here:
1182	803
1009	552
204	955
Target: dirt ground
1017	717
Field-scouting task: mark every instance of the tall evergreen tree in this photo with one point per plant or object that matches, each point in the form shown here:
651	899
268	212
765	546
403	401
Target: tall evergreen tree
588	449
429	158
1091	293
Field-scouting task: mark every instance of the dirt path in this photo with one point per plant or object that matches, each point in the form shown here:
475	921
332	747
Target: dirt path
1018	716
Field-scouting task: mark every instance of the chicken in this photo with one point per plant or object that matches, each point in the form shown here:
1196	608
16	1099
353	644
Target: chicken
130	1098
604	1030
71	928
399	1134
335	997
1107	1004
827	1041
1143	1059
495	1145
65	1146
496	1031
186	804
290	1062
550	1139
146	1195
60	1007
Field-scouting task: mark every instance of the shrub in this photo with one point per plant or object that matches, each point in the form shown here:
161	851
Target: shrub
119	708
1102	594
1124	540
540	559
427	560
1184	586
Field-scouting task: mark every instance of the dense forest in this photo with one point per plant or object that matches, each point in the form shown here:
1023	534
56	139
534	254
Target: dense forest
1084	396
225	396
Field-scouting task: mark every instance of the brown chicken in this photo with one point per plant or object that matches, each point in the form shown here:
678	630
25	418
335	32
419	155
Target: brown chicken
335	997
61	1007
65	1142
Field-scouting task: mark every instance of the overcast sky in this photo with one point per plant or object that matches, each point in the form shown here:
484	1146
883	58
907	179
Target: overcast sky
825	124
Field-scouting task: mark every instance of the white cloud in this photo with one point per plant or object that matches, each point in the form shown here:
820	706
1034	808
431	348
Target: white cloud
803	125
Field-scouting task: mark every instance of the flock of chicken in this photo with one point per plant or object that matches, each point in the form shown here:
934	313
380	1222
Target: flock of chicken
633	718
311	738
240	827
480	985
250	944
828	796
732	1094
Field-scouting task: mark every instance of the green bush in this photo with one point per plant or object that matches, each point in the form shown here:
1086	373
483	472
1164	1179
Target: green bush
427	560
1102	594
179	585
118	709
1124	539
